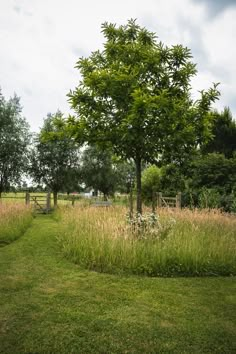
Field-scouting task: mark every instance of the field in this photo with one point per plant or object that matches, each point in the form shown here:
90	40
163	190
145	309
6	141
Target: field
182	242
48	304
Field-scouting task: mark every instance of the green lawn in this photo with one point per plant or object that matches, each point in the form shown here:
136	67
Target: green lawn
49	305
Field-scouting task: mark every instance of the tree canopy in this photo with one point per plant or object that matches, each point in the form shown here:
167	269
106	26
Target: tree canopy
135	96
14	140
55	161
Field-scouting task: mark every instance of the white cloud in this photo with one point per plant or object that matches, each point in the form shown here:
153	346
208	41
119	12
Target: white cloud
219	36
42	40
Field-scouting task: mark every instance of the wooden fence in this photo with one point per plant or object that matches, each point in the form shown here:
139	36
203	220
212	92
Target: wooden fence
158	201
41	203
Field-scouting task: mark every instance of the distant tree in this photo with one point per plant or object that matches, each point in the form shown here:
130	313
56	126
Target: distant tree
214	171
14	141
97	170
211	182
125	173
73	181
135	96
174	177
224	134
55	161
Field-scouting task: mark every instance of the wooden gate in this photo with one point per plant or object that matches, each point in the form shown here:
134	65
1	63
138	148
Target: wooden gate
172	202
41	203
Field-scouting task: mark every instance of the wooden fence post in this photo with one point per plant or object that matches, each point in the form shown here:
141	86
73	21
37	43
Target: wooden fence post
73	200
159	201
27	198
178	200
48	202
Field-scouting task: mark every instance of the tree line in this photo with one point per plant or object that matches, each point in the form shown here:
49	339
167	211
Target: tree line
58	164
135	122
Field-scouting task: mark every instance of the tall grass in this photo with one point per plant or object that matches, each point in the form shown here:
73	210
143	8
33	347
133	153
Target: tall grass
14	220
184	242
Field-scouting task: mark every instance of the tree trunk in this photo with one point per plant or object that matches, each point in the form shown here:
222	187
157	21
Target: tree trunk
139	185
55	199
131	206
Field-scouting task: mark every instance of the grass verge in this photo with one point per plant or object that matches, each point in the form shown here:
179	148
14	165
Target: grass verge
14	220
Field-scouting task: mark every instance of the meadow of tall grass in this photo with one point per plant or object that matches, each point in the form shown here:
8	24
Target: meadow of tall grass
172	243
14	220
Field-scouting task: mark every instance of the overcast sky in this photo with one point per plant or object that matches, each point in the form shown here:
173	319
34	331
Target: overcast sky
41	40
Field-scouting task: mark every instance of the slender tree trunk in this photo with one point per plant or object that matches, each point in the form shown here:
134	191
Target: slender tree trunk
55	199
131	206
139	185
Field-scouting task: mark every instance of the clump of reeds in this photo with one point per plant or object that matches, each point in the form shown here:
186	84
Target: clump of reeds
181	242
14	220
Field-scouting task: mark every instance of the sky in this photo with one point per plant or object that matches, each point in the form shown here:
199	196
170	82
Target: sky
41	41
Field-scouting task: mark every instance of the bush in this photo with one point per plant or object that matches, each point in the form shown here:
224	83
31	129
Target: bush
209	198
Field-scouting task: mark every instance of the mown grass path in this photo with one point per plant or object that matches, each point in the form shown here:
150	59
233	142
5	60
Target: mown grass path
49	305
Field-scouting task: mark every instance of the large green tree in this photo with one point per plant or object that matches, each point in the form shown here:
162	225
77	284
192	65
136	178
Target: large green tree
55	161
135	95
14	141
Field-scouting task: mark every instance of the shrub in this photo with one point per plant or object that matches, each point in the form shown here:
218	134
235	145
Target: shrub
209	198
